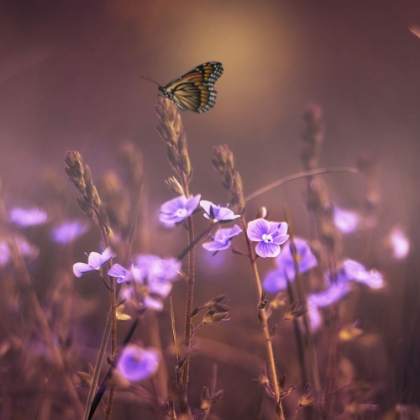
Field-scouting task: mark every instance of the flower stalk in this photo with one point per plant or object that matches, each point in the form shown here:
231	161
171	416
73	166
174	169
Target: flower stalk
92	206
171	130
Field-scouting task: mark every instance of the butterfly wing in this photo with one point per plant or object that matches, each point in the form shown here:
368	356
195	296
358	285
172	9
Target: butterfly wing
194	90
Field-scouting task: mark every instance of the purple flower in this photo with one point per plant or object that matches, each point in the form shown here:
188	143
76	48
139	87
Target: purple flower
136	363
28	217
176	210
276	279
95	262
351	270
217	213
400	244
152	279
269	235
69	231
157	269
221	240
345	220
136	292
333	294
157	273
28	250
122	274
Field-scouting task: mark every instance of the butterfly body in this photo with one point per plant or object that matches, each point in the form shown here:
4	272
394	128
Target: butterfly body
194	90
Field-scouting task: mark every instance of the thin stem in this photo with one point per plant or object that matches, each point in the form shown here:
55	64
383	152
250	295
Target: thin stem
302	298
196	240
264	324
98	365
189	307
303	174
110	330
298	337
113	342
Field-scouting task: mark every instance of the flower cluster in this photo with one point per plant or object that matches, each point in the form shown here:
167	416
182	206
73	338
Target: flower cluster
150	279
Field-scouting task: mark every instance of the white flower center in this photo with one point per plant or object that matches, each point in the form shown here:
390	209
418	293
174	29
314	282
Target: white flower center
267	238
181	213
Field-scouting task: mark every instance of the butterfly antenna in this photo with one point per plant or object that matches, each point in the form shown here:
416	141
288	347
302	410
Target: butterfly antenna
149	79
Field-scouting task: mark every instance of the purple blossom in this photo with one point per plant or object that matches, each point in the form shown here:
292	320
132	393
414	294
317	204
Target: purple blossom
399	243
221	240
136	291
345	220
28	250
152	279
122	274
332	294
69	231
176	210
276	280
217	213
28	217
351	270
157	273
269	235
95	262
136	363
157	269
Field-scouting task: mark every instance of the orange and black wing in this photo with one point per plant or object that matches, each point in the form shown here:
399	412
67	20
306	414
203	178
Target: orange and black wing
194	90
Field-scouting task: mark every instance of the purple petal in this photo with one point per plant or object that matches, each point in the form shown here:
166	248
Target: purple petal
192	204
69	231
306	259
136	363
107	255
4	253
216	246
225	214
80	268
94	260
171	206
314	316
400	244
346	221
257	228
120	272
205	204
265	250
333	294
275	281
153	304
235	230
28	217
161	288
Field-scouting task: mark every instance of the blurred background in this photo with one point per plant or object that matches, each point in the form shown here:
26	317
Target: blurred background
70	79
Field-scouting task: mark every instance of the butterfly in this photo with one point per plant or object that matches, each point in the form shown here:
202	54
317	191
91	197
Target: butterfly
194	90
